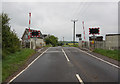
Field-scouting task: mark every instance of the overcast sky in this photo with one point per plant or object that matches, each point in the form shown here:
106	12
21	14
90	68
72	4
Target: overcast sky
55	17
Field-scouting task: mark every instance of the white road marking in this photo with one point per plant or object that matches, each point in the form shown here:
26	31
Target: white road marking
65	55
26	67
99	58
53	51
80	80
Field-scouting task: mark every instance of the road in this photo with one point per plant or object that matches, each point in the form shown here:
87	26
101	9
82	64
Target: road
68	64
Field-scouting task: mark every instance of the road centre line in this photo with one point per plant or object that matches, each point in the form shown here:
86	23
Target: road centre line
99	58
27	67
80	80
65	55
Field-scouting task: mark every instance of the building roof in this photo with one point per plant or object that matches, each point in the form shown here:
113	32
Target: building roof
98	36
112	34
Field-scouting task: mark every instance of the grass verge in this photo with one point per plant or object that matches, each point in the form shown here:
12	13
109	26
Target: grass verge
0	71
48	45
14	61
114	54
65	45
76	45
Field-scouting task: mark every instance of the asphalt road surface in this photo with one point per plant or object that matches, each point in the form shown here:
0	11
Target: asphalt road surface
68	64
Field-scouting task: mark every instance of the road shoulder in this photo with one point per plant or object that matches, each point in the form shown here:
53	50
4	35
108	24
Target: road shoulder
102	57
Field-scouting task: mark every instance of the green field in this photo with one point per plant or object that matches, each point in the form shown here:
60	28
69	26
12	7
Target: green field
114	54
14	61
70	45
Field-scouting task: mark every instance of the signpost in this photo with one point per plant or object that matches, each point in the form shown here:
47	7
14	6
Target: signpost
94	31
35	42
78	36
35	34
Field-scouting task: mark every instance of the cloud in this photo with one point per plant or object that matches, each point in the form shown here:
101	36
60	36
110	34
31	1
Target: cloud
55	17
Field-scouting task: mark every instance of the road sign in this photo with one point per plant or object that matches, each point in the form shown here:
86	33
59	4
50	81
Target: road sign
34	33
94	30
78	35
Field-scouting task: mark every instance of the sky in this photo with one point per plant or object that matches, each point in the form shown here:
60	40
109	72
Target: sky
55	17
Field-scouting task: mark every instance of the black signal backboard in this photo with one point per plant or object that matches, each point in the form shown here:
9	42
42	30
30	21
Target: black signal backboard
35	33
93	30
78	35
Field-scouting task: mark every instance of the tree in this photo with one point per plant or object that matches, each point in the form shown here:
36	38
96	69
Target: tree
60	43
51	40
10	41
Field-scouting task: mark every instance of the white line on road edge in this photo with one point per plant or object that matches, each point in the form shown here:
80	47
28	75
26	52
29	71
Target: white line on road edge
65	55
80	80
26	67
100	59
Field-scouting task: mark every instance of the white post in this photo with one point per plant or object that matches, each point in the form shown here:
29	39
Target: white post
30	43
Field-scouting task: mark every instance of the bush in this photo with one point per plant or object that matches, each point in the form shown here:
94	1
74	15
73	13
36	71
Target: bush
51	40
49	45
76	45
10	41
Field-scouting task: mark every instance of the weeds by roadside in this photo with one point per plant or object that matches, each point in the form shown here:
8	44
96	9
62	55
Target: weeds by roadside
14	61
114	54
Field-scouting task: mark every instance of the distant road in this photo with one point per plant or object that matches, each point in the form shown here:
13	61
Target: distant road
68	64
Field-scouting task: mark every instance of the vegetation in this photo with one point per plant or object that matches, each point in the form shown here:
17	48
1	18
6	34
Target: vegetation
49	45
13	57
51	40
10	41
114	54
0	71
14	61
60	43
67	44
76	45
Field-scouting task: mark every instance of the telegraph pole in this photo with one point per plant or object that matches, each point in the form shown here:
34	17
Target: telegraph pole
74	30
63	39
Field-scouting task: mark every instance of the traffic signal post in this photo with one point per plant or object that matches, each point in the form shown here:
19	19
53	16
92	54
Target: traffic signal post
94	40
94	31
